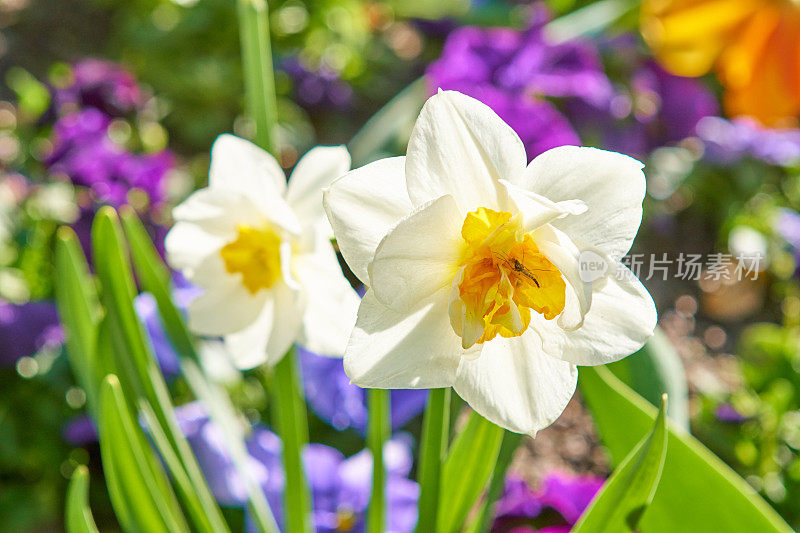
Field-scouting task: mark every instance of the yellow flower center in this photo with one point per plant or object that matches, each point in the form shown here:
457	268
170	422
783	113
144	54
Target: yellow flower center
256	255
502	276
345	520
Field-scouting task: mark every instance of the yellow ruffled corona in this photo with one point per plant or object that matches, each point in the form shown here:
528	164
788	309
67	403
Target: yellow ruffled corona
502	277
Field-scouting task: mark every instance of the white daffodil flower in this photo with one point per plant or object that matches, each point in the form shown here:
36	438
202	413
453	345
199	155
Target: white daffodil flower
473	261
261	252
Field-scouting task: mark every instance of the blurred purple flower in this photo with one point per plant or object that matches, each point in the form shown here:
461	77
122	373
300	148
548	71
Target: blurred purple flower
103	85
321	87
513	71
85	153
655	109
788	226
520	508
726	412
340	486
728	141
27	328
338	402
671	106
146	308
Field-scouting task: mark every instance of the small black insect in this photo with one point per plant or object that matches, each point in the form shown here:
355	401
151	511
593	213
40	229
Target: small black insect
517	266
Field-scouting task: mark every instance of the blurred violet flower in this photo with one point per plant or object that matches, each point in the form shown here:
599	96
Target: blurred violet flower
788	227
317	88
146	308
728	141
26	329
514	71
726	412
655	109
669	107
520	507
102	85
338	402
85	153
340	486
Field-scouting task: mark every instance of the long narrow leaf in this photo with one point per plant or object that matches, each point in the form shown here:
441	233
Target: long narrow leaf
433	449
629	491
222	413
695	484
467	470
483	520
79	311
393	122
655	370
138	368
154	276
138	487
78	514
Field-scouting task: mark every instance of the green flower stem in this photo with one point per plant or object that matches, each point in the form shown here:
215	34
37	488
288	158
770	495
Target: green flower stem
378	431
291	423
259	78
483	522
435	441
289	406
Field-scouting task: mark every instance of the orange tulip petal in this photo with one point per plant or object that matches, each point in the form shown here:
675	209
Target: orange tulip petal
687	36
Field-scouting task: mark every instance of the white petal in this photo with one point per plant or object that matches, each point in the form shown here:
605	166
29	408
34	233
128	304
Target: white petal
287	322
216	362
419	256
226	305
363	205
272	334
459	146
515	384
331	303
621	319
217	211
187	244
247	348
564	254
537	210
315	171
241	166
611	184
415	350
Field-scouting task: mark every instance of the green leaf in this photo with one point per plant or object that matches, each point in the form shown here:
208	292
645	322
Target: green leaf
79	311
138	369
393	122
630	490
433	449
78	514
291	423
656	370
378	432
155	279
698	492
589	20
139	489
467	470
483	520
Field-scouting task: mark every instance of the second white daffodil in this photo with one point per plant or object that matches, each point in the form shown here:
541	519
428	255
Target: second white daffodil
261	252
473	260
